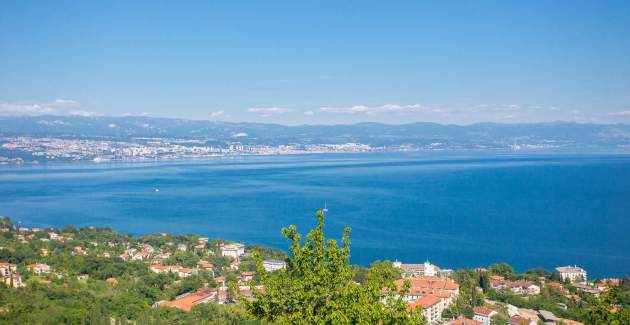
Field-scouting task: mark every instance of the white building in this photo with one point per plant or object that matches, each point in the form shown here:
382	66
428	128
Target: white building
483	315
234	250
274	265
524	287
39	268
416	270
572	273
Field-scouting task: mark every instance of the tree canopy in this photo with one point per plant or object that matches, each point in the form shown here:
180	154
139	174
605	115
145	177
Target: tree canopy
317	286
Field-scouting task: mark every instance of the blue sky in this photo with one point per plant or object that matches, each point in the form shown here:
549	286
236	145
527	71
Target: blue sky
318	62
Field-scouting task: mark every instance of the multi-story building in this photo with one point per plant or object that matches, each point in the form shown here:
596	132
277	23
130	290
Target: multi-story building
234	250
416	270
572	273
431	308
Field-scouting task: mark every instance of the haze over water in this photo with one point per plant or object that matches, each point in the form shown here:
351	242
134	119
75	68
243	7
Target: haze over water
453	209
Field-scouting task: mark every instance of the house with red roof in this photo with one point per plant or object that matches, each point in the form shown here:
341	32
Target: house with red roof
431	308
483	314
246	276
519	287
187	301
38	268
421	286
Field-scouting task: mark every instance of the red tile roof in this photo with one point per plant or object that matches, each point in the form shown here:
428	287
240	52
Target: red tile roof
186	302
428	282
518	320
483	310
425	302
554	284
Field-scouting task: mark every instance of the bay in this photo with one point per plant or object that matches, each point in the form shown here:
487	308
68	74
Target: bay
455	209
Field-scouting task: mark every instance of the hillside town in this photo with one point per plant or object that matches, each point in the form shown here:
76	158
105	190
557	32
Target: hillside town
224	273
434	291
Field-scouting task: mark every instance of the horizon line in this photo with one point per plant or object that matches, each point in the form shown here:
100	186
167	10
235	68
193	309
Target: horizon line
305	124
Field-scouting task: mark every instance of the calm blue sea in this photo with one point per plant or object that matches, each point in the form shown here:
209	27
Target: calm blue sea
457	210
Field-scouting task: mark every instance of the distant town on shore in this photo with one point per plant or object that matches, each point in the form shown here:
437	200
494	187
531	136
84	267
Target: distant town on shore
25	139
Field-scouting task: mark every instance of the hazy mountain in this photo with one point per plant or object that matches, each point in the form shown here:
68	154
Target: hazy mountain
562	134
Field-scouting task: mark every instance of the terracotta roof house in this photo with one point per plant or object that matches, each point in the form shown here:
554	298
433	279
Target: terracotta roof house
483	314
38	268
186	302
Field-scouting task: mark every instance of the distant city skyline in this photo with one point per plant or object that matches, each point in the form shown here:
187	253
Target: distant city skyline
292	63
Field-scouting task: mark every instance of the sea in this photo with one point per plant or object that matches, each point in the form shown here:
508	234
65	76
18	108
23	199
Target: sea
457	209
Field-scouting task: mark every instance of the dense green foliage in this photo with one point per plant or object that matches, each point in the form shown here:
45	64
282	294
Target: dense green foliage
317	286
62	297
91	284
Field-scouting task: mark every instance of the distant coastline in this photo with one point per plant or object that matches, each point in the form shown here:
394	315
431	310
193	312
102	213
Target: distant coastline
102	138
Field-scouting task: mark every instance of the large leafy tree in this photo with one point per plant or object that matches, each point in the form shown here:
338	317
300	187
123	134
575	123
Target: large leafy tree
317	287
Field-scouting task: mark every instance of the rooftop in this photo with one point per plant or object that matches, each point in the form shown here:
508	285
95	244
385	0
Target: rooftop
428	282
570	269
483	310
425	302
186	302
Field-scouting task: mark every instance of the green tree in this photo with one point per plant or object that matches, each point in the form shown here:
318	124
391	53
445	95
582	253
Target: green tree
317	287
5	222
360	273
502	269
484	281
498	320
383	273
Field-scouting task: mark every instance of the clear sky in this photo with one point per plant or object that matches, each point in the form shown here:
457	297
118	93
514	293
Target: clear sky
318	62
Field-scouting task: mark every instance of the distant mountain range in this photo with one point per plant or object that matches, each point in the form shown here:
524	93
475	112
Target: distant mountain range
491	135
